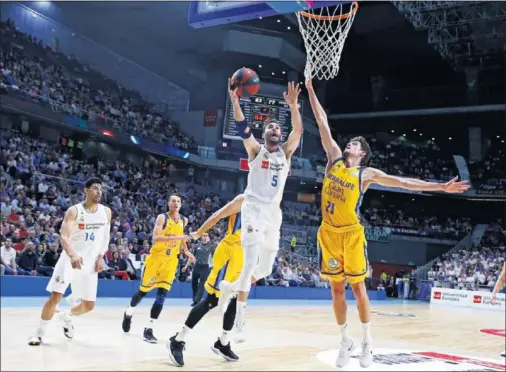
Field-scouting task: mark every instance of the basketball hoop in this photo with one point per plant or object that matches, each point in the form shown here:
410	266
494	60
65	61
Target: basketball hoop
324	32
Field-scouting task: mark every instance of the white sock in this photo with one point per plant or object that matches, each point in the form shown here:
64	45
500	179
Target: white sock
42	326
344	332
239	316
151	323
225	338
366	327
129	311
181	336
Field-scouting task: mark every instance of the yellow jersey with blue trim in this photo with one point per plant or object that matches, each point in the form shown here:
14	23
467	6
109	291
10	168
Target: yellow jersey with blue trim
233	235
342	194
170	228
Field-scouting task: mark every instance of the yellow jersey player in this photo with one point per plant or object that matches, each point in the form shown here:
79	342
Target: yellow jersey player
227	265
161	264
341	239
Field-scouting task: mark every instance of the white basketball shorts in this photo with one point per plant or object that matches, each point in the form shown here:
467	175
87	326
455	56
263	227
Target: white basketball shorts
83	282
260	224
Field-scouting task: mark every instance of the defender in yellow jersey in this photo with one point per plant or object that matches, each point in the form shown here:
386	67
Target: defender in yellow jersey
161	264
227	264
227	258
341	239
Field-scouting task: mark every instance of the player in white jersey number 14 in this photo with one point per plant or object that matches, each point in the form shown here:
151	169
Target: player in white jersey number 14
85	237
269	165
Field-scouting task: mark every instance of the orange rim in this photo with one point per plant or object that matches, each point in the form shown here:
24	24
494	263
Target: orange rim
331	18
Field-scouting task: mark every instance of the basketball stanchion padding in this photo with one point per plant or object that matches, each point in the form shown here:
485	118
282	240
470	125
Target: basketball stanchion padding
324	32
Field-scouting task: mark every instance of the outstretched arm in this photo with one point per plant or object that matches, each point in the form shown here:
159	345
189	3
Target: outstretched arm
293	140
372	175
229	209
250	143
329	145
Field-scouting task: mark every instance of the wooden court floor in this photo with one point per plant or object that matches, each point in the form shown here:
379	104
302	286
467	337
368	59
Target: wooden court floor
280	336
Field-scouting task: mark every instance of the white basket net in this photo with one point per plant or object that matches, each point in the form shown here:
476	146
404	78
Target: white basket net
324	32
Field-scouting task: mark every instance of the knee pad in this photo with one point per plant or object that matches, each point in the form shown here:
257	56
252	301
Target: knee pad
160	296
211	300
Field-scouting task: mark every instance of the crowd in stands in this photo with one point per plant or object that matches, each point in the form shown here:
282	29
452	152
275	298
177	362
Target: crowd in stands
490	171
51	78
477	268
451	228
290	271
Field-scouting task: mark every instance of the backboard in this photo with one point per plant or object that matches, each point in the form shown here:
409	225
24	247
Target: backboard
209	13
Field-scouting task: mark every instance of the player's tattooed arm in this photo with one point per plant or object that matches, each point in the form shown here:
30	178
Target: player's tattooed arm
229	209
159	237
330	146
250	143
293	140
372	175
69	222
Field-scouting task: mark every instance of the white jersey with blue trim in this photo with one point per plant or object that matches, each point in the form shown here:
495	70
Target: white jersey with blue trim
267	176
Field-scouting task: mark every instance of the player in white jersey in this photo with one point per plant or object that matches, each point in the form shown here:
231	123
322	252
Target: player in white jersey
269	165
85	237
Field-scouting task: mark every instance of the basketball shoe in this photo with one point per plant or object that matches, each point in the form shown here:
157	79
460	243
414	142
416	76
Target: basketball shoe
36	339
68	326
225	351
343	358
503	354
127	322
366	358
176	351
148	336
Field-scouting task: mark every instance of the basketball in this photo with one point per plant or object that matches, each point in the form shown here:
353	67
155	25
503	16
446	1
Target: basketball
246	81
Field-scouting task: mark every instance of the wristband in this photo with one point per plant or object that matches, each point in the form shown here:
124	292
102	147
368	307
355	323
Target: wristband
242	127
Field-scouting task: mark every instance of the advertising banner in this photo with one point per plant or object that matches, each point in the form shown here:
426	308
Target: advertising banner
455	297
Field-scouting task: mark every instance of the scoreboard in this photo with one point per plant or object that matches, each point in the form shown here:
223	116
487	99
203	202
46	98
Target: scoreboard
256	110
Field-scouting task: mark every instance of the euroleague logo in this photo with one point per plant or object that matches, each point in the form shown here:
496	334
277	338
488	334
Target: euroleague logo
409	360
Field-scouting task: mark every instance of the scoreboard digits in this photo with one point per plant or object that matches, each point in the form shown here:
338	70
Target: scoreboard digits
256	110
